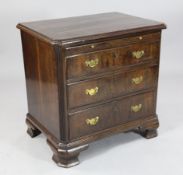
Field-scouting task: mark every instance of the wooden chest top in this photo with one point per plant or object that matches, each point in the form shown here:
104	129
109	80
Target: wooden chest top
84	28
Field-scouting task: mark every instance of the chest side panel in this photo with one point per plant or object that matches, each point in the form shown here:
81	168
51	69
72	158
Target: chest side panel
41	81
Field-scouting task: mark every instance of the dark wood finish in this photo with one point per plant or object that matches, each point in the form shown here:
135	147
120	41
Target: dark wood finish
66	157
109	44
110	59
55	54
111	86
41	81
111	114
80	30
147	133
149	122
32	130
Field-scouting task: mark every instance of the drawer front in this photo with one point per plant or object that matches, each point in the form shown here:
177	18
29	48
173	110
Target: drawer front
111	114
153	37
111	59
111	86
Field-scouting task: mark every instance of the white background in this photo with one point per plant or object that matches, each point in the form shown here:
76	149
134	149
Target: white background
127	154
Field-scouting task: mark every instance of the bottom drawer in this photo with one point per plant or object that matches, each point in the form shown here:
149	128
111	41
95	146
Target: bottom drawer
94	119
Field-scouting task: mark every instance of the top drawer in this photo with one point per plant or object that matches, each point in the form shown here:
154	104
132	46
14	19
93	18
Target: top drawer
145	38
111	59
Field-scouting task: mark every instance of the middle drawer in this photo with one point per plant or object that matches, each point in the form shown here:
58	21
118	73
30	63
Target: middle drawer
116	84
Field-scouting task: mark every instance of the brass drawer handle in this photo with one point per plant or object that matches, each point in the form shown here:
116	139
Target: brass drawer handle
137	80
91	92
92	121
92	63
138	54
136	108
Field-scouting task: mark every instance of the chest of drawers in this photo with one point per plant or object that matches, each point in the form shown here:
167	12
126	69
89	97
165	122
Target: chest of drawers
90	77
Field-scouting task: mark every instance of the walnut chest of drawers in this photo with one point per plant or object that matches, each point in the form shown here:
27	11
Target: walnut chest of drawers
90	77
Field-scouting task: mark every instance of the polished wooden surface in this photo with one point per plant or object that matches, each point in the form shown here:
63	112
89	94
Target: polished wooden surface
111	86
79	29
41	81
111	114
113	43
110	59
90	77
